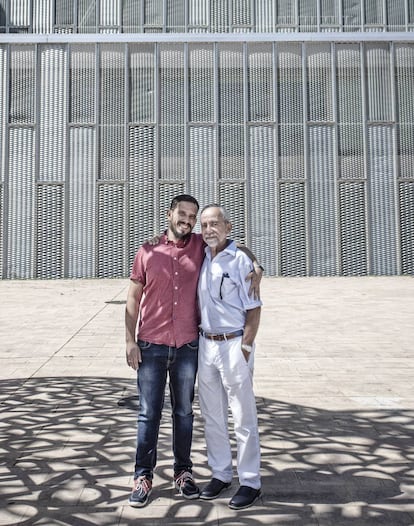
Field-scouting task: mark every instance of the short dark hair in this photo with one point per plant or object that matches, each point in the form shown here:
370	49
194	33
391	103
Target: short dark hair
184	197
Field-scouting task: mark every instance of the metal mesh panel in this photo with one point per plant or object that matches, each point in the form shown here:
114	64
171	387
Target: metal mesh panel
395	15
353	229
3	109
198	16
142	83
172	112
21	206
260	82
141	188
166	192
292	229
112	112
42	16
323	201
351	15
308	15
132	16
22	85
153	15
330	15
406	227
175	16
82	203
290	94
202	164
265	16
50	231
87	16
109	13
1	231
404	55
231	111
232	197
64	13
319	73
379	82
287	14
201	82
53	113
219	16
20	14
350	111
374	12
262	200
382	200
241	13
111	230
82	84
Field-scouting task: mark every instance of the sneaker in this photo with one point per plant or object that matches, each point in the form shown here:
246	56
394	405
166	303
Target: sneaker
185	484
140	492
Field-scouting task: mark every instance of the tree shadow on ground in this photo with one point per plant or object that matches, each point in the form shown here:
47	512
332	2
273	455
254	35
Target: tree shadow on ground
68	446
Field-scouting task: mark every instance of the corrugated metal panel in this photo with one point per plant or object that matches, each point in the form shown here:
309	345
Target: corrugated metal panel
198	16
231	111
265	16
42	16
172	112
406	227
82	203
20	14
53	113
109	13
87	16
219	16
112	112
22	84
262	197
260	83
241	14
21	196
142	83
50	231
1	230
287	15
232	197
330	15
379	82
319	83
308	15
292	229
322	175
350	111
382	190
353	229
154	15
203	164
111	230
404	58
201	83
290	107
141	198
395	15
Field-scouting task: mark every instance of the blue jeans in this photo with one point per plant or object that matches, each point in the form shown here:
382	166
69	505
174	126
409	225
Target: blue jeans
181	366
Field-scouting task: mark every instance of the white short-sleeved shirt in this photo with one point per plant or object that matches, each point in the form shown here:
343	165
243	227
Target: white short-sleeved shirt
223	292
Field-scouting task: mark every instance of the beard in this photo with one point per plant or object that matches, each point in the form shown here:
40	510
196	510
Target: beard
178	234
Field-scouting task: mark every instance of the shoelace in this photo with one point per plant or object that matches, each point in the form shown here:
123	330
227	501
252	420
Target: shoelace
142	485
183	477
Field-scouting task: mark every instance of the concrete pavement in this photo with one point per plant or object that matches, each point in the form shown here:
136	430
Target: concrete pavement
334	383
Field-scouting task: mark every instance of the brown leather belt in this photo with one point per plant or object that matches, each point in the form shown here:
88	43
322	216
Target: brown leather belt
221	337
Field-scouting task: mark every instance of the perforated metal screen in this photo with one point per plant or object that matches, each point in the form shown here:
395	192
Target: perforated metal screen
310	145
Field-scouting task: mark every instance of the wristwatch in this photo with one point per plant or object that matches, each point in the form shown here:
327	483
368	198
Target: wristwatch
247	348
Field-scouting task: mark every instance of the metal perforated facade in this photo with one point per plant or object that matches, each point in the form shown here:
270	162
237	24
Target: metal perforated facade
307	139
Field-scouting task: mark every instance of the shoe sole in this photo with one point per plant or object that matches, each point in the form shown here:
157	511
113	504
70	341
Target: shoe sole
204	497
140	504
248	505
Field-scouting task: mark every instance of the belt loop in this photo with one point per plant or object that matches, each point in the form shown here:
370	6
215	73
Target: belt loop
225	337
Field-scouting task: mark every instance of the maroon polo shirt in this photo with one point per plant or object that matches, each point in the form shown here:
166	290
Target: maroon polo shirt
169	272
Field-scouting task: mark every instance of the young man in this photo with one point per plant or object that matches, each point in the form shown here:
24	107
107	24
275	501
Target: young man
163	295
229	323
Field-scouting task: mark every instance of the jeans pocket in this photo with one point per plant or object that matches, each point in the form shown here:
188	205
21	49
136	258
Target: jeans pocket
143	345
193	346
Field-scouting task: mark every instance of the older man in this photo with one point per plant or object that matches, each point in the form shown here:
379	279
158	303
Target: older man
229	323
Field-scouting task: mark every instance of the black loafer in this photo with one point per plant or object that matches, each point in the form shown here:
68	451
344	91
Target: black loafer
213	489
244	498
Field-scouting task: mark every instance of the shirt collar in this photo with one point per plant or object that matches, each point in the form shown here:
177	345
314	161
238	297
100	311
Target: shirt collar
229	249
181	243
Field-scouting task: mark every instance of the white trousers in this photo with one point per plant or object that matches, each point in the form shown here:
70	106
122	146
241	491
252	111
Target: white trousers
226	379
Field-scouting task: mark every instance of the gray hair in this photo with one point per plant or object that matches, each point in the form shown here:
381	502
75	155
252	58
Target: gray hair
223	211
